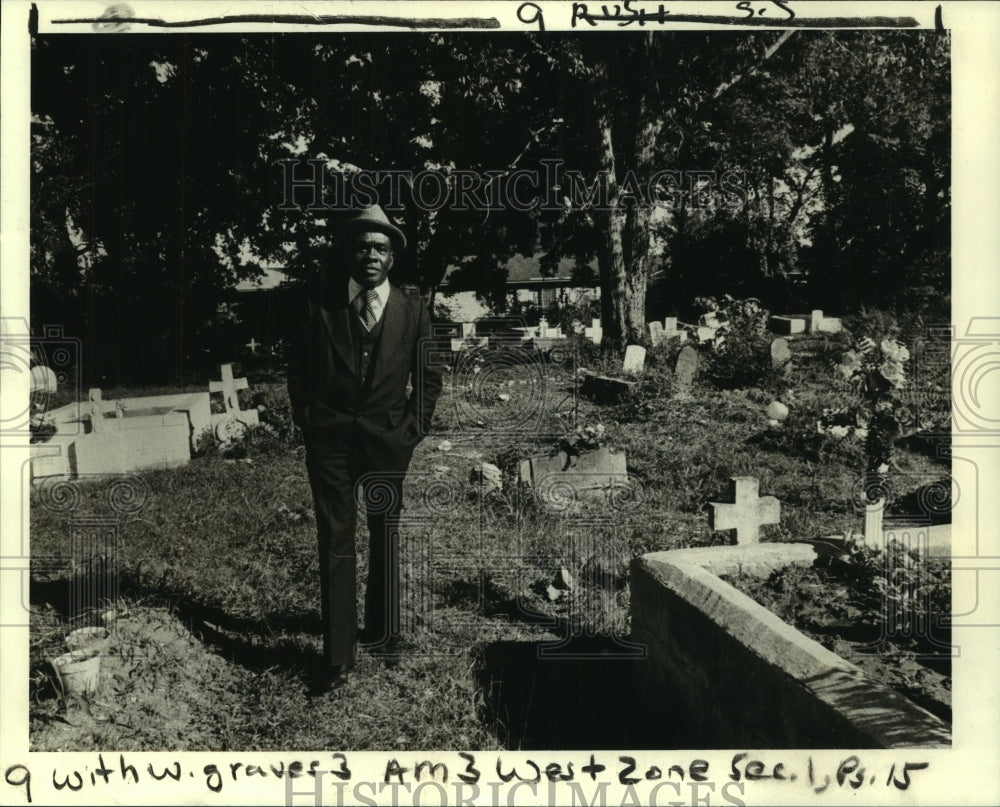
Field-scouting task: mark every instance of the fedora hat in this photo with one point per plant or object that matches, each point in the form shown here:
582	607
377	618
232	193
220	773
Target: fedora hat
370	219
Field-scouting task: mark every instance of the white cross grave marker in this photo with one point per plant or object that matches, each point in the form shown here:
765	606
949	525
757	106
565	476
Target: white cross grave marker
229	387
594	332
253	344
746	513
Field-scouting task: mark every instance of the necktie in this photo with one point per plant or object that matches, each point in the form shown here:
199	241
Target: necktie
368	318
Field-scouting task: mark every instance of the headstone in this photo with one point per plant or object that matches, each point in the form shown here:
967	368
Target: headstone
873	523
830	325
43	379
562	479
635	358
814	320
709	320
780	353
746	513
225	430
228	387
787	326
594	332
656	334
686	368
95	410
253	344
468	329
672	331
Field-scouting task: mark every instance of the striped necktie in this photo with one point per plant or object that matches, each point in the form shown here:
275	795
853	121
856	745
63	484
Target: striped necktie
368	318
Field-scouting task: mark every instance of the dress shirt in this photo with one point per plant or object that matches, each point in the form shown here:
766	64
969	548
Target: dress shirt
356	294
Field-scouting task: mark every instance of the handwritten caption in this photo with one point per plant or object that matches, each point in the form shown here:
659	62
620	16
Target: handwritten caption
625	14
851	773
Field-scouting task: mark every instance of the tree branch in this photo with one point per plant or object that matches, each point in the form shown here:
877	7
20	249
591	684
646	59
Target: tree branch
767	55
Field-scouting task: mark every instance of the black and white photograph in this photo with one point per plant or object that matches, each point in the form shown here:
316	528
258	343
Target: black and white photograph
494	403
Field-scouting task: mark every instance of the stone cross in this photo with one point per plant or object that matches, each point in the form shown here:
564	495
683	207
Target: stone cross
253	344
746	513
635	358
594	332
228	387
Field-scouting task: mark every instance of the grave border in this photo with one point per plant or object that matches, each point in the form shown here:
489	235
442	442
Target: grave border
756	679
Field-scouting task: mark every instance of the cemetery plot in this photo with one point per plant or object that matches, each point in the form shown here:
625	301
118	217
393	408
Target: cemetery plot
130	434
518	539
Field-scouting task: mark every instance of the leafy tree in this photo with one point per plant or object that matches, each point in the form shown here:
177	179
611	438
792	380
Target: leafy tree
159	176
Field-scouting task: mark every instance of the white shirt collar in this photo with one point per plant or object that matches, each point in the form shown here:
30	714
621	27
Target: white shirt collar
382	290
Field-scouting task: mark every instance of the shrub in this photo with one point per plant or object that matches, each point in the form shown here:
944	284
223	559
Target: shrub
740	356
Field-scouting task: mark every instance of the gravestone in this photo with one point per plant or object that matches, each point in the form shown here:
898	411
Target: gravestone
780	353
746	513
656	334
253	344
635	358
873	524
562	479
686	368
96	411
671	330
594	332
815	317
233	423
830	325
468	329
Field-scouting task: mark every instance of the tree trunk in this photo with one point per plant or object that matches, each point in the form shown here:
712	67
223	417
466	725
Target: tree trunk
624	262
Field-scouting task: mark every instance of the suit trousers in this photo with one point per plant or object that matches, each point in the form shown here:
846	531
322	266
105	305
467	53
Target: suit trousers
334	476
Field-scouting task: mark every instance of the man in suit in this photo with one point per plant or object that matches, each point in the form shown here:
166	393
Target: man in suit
358	348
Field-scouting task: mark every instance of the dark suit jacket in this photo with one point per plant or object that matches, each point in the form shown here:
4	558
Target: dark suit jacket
329	402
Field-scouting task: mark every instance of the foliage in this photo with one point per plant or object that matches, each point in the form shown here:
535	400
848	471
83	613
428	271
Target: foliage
142	220
885	610
911	589
878	374
818	427
740	354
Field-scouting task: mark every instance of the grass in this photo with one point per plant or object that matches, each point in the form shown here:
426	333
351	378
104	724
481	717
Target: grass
218	624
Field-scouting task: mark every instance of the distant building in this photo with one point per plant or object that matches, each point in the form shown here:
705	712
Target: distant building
525	284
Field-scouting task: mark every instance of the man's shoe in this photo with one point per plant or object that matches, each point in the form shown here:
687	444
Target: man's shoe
330	679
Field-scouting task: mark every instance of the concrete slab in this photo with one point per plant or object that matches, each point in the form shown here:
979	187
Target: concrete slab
727	664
